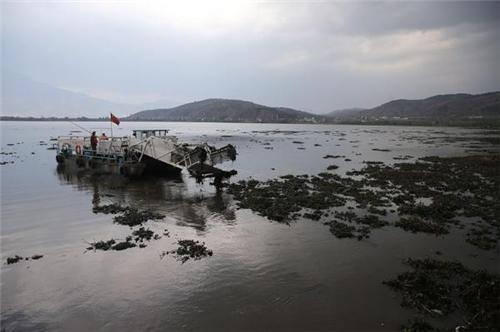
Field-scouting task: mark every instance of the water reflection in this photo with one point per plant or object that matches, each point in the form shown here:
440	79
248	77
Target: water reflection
176	196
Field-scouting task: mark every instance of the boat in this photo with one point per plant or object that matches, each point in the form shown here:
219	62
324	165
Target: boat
146	151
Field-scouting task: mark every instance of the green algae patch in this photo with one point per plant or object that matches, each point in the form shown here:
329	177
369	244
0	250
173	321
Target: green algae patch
440	288
189	249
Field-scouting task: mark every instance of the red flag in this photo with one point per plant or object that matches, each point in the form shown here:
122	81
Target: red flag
114	119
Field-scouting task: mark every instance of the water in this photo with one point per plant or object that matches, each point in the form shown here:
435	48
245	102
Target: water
262	276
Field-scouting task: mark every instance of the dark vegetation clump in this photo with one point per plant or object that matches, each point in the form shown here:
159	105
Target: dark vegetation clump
189	249
417	325
127	216
112	245
416	224
454	188
440	288
332	167
134	217
143	234
123	245
109	209
482	238
13	260
130	216
102	245
17	258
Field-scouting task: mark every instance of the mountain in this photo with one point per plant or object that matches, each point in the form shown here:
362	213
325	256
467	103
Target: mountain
22	96
437	108
344	112
225	110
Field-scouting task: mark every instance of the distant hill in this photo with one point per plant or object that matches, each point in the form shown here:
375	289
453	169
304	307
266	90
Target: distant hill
344	112
437	108
226	110
22	96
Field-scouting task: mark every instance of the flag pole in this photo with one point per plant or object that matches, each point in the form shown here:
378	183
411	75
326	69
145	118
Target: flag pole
111	124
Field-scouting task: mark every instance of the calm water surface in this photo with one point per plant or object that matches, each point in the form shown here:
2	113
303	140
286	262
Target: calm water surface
262	276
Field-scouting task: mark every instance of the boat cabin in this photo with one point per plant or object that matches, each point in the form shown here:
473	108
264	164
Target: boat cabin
145	133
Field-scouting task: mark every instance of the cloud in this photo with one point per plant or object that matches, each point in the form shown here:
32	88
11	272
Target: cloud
313	56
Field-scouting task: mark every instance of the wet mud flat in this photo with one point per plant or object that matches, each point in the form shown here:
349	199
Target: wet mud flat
431	195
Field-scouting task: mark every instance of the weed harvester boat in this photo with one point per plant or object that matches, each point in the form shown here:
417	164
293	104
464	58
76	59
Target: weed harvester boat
149	150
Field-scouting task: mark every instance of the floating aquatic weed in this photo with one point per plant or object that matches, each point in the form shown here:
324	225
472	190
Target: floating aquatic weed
416	224
17	258
144	234
13	260
189	249
111	245
101	245
482	238
439	288
451	188
109	209
341	230
134	217
329	156
417	325
123	245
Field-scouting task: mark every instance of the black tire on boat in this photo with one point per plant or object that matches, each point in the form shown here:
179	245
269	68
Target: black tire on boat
60	159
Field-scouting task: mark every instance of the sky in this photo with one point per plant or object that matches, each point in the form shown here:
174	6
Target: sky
312	56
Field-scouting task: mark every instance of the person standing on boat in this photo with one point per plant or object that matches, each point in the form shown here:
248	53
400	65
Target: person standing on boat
93	142
104	137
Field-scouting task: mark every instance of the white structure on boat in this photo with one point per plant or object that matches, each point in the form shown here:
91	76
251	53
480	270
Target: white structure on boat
146	150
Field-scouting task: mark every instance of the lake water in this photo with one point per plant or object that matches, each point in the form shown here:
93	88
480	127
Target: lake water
262	275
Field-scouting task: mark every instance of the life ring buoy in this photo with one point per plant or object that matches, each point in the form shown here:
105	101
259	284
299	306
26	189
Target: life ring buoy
78	149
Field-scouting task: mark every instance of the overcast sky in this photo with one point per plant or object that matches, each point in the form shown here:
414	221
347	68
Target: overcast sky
314	57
